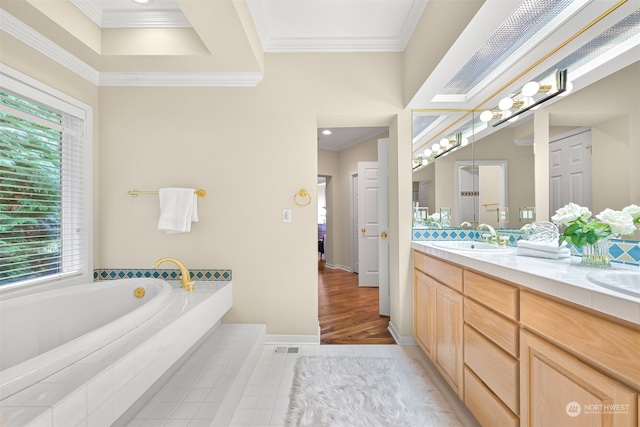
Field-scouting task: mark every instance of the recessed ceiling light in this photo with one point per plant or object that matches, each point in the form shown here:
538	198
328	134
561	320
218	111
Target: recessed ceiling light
326	132
142	1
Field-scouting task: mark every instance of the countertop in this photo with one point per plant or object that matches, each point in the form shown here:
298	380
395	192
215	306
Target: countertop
561	278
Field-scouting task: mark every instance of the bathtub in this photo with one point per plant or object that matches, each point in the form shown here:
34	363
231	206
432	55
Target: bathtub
119	375
45	332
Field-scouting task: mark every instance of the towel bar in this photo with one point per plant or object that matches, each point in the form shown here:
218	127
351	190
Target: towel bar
136	193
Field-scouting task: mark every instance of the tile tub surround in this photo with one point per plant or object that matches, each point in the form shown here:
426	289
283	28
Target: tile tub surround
561	278
622	251
197	274
103	385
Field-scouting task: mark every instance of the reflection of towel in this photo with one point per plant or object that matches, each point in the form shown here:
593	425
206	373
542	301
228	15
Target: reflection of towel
561	253
541	246
178	209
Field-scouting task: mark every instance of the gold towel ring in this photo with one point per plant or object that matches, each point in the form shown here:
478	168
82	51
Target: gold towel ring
302	194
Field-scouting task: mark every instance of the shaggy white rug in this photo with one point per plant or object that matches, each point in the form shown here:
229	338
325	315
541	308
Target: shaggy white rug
364	391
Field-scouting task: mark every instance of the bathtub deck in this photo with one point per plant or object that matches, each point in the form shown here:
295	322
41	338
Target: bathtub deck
208	386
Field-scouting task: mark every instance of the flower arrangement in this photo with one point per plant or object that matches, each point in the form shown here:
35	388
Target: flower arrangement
582	229
433	219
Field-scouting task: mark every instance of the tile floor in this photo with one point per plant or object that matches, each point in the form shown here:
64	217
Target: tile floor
185	399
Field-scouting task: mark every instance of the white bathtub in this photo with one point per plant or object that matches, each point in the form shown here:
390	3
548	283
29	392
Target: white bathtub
45	332
100	387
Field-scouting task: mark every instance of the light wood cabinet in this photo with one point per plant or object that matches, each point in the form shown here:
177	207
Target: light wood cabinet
424	315
438	314
520	358
560	390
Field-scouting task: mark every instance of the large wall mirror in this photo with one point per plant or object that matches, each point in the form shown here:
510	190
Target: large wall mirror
583	147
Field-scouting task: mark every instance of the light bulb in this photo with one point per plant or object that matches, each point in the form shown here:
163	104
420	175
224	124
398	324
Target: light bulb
464	142
486	115
530	89
435	147
444	143
513	119
428	152
505	103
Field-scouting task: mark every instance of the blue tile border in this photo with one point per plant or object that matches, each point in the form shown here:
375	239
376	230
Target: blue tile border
202	275
622	251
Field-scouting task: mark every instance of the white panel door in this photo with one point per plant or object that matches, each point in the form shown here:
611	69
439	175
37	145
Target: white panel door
368	273
383	227
570	170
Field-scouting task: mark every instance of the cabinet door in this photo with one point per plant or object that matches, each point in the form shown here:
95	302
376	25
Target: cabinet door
449	350
424	312
557	389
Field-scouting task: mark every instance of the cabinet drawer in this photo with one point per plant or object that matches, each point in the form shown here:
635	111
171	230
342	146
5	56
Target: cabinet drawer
609	345
487	409
497	369
498	329
499	296
443	272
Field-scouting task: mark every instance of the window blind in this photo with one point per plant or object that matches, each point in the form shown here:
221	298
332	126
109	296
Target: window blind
41	190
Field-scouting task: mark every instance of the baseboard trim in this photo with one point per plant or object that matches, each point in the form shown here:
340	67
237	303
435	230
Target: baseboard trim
293	339
337	267
400	340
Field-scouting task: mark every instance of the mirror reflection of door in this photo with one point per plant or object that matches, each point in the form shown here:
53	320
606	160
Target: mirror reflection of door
481	188
570	170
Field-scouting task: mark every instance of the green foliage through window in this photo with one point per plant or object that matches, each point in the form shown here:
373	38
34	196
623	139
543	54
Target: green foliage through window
30	189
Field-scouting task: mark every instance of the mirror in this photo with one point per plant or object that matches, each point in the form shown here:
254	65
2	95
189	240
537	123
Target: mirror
604	107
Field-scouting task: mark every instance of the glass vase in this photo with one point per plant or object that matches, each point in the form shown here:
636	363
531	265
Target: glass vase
597	254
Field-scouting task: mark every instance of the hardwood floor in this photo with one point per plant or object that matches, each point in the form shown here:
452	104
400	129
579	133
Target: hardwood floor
348	314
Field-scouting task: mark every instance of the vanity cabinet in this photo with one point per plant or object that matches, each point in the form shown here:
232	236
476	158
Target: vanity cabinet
576	368
522	358
491	333
438	311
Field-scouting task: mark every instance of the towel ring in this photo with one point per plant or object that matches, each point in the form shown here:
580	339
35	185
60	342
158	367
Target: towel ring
302	194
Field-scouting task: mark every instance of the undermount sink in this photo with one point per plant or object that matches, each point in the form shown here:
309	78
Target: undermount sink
627	282
467	245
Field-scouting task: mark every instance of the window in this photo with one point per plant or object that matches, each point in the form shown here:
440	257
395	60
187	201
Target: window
45	209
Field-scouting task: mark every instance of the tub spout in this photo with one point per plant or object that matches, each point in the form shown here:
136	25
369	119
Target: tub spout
494	234
187	283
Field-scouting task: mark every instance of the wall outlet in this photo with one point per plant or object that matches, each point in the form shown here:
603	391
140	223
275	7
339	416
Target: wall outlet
286	215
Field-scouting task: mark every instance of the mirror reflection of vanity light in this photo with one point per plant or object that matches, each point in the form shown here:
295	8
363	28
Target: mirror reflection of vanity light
527	214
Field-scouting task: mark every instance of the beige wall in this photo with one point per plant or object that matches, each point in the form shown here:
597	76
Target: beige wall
252	149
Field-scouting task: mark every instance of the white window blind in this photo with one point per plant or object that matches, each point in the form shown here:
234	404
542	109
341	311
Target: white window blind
41	191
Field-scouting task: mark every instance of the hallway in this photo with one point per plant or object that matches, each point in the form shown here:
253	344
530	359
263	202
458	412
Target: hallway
348	314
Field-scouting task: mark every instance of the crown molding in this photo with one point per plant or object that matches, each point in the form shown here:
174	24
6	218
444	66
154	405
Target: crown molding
90	9
144	19
240	79
27	35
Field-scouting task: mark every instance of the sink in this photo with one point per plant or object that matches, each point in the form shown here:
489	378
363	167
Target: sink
467	245
627	282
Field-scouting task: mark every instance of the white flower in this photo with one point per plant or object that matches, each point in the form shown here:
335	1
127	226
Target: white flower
619	222
633	210
569	213
435	216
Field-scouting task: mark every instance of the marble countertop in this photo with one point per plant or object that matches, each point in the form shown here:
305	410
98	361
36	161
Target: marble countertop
561	278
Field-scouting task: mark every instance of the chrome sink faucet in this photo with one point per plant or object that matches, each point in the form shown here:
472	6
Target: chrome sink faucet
492	231
185	279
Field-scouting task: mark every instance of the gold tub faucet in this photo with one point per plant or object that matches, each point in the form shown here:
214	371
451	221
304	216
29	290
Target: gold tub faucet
494	234
187	283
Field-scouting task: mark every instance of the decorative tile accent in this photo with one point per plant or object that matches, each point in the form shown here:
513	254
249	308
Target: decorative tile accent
201	275
621	251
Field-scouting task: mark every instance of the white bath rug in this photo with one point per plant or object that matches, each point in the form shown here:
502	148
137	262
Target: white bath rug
365	391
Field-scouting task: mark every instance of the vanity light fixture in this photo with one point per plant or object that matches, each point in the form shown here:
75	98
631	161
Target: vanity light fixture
525	101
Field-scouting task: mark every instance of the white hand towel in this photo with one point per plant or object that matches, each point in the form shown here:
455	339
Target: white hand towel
541	246
562	253
178	209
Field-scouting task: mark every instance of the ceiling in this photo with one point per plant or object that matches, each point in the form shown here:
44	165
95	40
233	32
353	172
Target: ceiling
472	60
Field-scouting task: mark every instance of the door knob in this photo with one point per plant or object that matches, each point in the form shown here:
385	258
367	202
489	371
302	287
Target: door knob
363	229
383	235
